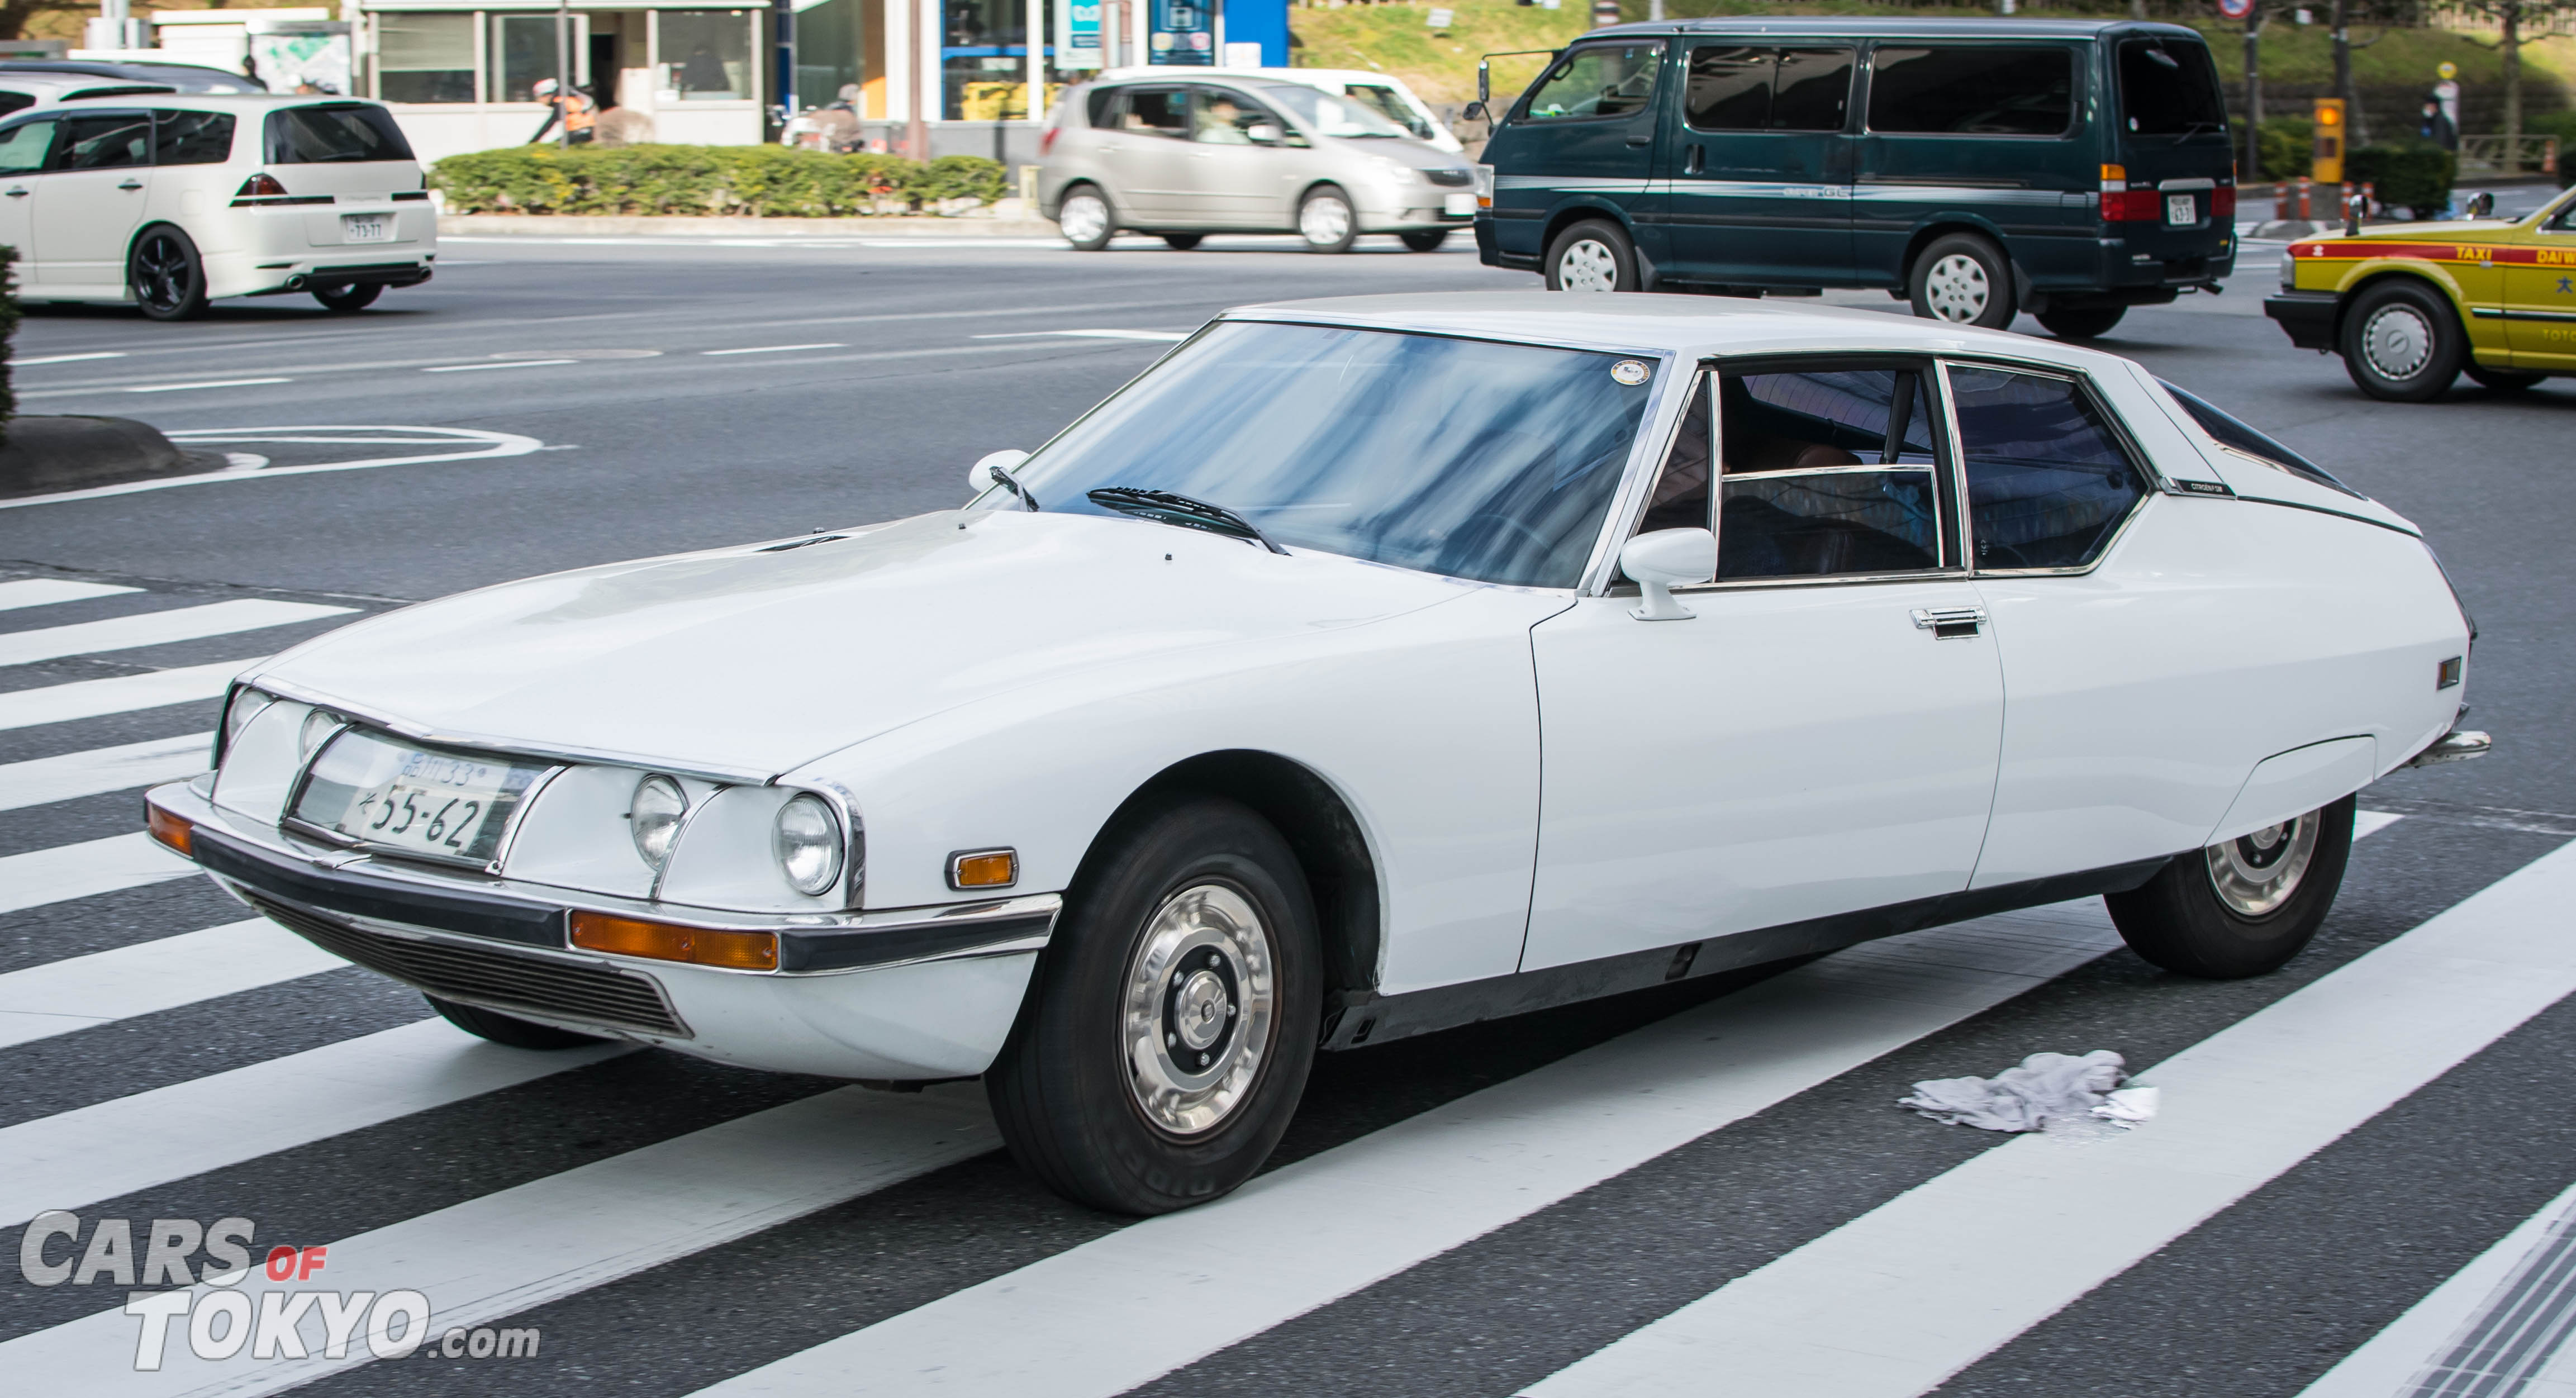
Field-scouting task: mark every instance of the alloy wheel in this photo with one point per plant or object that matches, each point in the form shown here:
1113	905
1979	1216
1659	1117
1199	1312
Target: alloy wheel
2255	874
1083	218
1202	989
1587	265
1957	288
163	280
2398	341
1324	220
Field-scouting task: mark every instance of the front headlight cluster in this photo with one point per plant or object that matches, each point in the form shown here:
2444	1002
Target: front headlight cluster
805	840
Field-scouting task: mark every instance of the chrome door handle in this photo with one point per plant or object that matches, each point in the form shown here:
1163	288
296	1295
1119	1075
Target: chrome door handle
18	191
1949	623
131	184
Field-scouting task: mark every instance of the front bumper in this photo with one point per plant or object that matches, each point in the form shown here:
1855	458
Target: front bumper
2308	316
902	994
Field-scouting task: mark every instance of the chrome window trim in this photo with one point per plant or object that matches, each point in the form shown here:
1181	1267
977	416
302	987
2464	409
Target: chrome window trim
688	817
1628	507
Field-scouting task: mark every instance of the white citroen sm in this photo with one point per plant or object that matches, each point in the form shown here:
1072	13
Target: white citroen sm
1367	667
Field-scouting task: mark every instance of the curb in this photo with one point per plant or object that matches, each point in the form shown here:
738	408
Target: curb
620	226
46	454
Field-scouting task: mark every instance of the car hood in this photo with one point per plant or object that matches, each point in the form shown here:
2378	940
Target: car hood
752	661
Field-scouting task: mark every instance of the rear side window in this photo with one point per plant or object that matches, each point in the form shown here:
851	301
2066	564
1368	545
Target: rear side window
107	141
2169	87
1156	111
333	135
1972	91
15	102
2048	481
1733	88
1102	107
23	147
1604	80
2233	433
193	138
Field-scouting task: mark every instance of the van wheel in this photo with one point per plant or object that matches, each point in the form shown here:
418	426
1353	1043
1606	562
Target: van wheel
2090	323
348	298
2243	907
1085	218
1426	239
166	275
507	1029
2502	380
2402	342
1183	242
1594	255
1173	1019
1325	221
1964	279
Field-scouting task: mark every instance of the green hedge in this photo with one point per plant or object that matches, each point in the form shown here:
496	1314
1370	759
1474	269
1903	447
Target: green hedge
2412	177
2289	146
761	181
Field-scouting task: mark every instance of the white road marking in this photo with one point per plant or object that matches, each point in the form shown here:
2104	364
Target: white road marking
775	349
184	387
76	774
157	628
99	1152
507	364
61	703
2369	823
1167	336
1916	1290
473	444
1093	1321
78	992
2388	1364
44	592
508	1252
86	870
70	358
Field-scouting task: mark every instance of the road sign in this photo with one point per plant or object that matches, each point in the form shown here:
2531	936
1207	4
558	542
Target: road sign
2235	9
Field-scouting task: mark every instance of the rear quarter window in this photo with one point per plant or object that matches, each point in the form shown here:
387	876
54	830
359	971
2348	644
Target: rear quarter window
330	135
1973	90
192	138
14	102
2235	434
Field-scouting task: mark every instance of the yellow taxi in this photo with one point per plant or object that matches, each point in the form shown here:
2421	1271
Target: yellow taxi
2412	306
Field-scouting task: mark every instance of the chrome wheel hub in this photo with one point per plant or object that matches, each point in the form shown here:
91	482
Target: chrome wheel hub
2255	874
1324	220
2398	341
1586	265
1956	288
1201	993
1083	218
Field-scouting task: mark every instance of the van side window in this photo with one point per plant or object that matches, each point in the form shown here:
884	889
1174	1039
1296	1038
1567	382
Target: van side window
1827	472
2048	481
1732	88
1604	80
1972	90
192	138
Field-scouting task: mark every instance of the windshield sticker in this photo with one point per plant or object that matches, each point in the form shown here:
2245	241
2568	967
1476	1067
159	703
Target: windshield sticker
1631	372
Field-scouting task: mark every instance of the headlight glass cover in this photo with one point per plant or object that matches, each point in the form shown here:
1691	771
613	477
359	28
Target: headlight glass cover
654	817
244	706
807	840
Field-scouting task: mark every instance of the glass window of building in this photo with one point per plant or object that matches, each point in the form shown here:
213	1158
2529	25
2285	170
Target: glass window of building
983	60
706	56
523	55
425	58
831	52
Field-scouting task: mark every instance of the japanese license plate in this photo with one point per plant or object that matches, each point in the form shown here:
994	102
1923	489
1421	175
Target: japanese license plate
2180	209
1458	205
407	800
363	228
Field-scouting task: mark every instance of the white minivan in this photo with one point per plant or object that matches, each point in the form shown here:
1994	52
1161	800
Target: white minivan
169	200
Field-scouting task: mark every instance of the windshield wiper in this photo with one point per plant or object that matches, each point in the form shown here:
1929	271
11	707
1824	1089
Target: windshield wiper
1181	510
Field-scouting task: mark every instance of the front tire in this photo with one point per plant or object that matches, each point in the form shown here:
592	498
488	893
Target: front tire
1325	220
1964	279
1425	239
1169	1030
2502	380
1085	218
2090	323
1594	255
2402	343
165	274
1183	242
507	1029
2243	907
345	299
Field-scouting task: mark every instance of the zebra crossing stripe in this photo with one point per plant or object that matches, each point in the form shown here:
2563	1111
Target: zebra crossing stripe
85	870
519	1248
44	592
157	628
2421	1343
149	977
99	1152
1901	1298
101	770
62	703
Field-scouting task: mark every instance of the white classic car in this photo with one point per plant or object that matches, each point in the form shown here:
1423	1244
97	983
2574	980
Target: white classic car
1366	667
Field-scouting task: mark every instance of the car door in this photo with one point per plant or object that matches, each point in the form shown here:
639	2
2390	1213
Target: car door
1147	156
96	184
23	148
1585	133
1235	181
1761	167
1820	739
2540	293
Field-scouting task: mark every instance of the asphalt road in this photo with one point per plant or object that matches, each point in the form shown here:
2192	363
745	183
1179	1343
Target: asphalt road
719	393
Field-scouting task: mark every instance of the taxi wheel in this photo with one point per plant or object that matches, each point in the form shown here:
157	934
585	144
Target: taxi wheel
2402	342
1593	255
2243	907
167	277
1425	239
348	298
2090	323
2502	380
1085	218
1325	220
506	1029
1172	1021
1963	279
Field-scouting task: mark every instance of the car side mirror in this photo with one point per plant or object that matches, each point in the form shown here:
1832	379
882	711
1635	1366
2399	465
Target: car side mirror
1473	111
1664	560
979	477
1264	134
2482	204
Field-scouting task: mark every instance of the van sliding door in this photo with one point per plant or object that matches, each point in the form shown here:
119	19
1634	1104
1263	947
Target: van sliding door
1761	166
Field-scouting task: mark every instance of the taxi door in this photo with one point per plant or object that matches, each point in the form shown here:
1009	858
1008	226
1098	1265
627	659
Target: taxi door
2540	293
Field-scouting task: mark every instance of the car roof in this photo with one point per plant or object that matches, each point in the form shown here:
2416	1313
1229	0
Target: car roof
145	71
78	84
1897	27
236	101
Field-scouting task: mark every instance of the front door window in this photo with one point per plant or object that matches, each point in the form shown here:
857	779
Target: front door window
1828	472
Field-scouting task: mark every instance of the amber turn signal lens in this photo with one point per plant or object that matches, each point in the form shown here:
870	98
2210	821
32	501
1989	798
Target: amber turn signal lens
984	868
170	830
663	941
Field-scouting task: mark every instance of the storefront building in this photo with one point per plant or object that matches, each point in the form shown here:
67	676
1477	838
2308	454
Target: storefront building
460	75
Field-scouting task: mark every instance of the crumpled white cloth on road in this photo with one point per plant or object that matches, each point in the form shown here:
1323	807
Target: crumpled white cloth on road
2046	1087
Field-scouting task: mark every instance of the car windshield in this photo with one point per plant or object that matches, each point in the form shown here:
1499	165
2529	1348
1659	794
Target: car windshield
1461	457
1323	114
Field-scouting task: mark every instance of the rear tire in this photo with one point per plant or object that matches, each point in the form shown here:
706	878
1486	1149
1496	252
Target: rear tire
348	298
1594	255
1326	220
1964	279
2090	323
1169	1030
165	274
1086	219
2244	907
1425	239
1183	242
2402	342
2502	380
507	1029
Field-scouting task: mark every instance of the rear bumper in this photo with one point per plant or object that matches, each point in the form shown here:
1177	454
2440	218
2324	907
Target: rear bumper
2308	317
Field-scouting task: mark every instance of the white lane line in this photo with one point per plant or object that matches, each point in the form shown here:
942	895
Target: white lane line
510	364
1091	1321
505	1253
157	628
185	387
2368	823
61	703
2393	1360
98	1152
70	358
776	349
85	870
1919	1288
1165	336
98	770
44	592
78	992
473	443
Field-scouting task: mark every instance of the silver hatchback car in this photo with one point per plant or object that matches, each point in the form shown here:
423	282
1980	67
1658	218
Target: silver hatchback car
1187	158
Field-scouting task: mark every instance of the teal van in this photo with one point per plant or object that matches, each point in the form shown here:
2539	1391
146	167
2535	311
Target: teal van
1979	167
